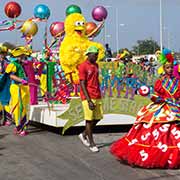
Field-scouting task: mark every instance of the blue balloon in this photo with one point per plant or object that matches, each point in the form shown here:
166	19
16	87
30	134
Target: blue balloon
41	11
166	51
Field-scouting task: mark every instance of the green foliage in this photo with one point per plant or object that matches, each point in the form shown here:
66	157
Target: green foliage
147	46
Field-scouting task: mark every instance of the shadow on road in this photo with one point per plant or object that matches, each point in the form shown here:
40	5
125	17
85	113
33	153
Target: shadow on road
3	136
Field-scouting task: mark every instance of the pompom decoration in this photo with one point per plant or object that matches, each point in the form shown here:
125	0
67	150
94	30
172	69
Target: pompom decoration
12	9
56	28
73	9
99	13
41	11
144	90
90	27
29	28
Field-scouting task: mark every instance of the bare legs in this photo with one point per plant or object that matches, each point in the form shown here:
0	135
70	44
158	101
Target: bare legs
88	132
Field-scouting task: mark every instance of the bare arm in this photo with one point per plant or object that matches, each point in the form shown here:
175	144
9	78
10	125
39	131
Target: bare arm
15	78
84	89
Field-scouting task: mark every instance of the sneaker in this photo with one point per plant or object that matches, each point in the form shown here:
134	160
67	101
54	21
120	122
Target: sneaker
23	133
83	140
94	149
15	131
7	123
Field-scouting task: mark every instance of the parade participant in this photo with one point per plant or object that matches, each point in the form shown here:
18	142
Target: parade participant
154	139
91	96
19	89
4	92
176	70
30	74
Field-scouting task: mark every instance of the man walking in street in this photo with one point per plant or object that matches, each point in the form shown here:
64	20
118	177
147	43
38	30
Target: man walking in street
90	96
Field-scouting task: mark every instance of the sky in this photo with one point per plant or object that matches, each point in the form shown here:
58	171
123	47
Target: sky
127	21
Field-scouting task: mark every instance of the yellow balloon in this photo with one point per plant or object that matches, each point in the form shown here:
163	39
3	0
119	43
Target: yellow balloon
29	28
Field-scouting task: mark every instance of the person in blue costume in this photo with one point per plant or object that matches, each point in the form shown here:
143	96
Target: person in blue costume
5	82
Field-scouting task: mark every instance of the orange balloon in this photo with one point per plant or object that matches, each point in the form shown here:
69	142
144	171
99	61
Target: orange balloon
90	27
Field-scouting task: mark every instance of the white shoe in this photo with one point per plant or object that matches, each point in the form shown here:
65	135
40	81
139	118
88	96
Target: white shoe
83	140
94	149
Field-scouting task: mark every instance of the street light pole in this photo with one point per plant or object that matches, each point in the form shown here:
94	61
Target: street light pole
105	30
120	27
117	31
161	27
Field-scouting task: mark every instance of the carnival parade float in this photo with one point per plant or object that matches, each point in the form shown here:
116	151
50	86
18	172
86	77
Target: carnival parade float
53	76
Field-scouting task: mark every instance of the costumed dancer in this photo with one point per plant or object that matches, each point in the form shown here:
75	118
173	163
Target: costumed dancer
19	90
4	88
176	71
43	74
154	139
29	70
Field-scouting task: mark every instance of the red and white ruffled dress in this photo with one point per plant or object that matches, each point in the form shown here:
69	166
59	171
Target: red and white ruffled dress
154	139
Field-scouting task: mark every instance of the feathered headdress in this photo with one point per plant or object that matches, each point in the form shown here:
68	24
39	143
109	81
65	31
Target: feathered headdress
164	57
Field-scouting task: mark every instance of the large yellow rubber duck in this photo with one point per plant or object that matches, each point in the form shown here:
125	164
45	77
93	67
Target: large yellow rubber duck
74	46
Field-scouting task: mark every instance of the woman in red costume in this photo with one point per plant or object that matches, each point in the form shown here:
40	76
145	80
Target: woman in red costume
154	139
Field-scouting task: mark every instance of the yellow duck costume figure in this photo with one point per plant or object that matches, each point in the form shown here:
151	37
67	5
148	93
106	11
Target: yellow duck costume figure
74	46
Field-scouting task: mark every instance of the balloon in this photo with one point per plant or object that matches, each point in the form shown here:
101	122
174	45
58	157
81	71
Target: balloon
12	9
73	9
166	51
41	11
99	13
144	90
90	27
29	28
56	28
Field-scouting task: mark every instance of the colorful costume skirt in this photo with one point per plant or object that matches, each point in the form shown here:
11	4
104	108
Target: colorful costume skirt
154	139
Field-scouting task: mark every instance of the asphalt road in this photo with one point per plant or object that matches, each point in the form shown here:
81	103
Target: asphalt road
44	155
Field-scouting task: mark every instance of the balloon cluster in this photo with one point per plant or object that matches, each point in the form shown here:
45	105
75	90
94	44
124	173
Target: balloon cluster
42	12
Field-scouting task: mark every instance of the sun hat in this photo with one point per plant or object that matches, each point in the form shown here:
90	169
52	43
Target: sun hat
3	49
21	50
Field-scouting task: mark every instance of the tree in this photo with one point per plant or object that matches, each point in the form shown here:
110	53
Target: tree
147	46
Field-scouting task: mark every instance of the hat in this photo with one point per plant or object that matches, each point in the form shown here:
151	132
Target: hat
21	50
92	49
3	49
166	57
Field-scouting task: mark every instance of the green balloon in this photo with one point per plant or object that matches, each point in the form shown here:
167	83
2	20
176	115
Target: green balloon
73	9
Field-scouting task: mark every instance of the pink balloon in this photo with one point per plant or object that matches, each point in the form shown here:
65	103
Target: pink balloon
57	28
99	13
